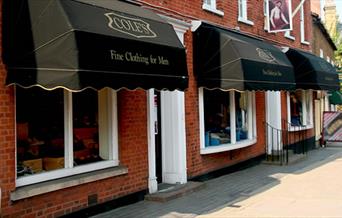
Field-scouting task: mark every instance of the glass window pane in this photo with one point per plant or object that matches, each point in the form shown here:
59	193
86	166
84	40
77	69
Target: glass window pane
208	2
85	127
216	117
40	130
241	9
296	108
241	105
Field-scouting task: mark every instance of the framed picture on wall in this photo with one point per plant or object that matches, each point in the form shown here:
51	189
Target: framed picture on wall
279	15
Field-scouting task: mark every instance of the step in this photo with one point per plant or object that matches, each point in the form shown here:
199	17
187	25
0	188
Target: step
169	192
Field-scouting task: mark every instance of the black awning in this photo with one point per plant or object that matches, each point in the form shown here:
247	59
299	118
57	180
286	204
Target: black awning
229	60
77	44
313	72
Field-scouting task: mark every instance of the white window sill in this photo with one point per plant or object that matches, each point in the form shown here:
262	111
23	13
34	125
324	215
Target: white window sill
290	37
61	173
212	9
54	185
227	147
300	128
305	42
243	20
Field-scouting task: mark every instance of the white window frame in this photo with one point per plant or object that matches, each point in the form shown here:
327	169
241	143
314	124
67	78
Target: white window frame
328	59
321	54
108	135
252	133
266	24
289	36
307	124
302	26
210	5
242	10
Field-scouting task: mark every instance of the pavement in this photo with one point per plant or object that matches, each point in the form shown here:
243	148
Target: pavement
308	188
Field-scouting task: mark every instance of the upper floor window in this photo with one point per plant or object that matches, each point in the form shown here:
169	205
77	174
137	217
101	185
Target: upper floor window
61	134
266	24
302	26
328	59
210	5
227	120
242	17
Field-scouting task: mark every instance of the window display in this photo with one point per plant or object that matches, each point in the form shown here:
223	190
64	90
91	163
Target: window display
217	117
60	130
85	127
227	112
300	111
40	133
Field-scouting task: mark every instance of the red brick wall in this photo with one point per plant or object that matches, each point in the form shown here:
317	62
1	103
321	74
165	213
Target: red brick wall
192	10
319	41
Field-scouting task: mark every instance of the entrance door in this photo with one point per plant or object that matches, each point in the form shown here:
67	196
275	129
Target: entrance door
158	136
166	138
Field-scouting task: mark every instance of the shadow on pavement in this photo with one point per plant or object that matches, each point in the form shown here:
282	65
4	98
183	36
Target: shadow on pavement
227	190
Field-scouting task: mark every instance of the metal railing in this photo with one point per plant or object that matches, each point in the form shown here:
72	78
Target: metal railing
281	143
276	149
296	137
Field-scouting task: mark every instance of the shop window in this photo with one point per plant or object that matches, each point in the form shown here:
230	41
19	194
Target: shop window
60	133
228	117
242	17
300	112
211	6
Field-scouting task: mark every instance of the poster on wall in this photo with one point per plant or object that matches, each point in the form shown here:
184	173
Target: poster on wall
332	126
279	15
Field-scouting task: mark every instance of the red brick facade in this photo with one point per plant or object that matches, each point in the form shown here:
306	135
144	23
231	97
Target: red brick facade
198	164
132	115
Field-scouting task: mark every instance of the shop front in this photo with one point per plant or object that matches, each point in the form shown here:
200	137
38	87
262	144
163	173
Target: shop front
314	78
233	72
79	71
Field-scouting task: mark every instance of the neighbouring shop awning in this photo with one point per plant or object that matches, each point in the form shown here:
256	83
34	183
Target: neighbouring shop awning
335	97
313	72
229	60
77	44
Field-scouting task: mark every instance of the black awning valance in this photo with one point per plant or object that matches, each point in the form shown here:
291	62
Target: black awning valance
77	44
312	72
229	60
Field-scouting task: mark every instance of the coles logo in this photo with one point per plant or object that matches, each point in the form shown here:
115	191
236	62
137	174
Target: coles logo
266	55
130	26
